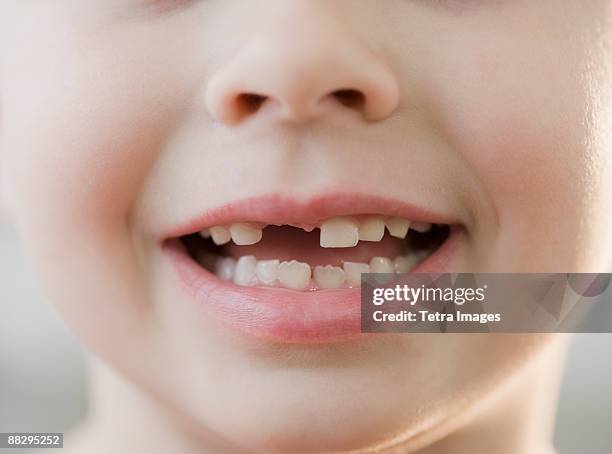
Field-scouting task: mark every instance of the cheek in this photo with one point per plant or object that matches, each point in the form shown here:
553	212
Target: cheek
79	144
76	171
523	122
81	140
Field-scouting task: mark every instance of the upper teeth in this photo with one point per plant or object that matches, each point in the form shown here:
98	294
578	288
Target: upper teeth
372	229
338	232
398	227
220	235
420	227
244	234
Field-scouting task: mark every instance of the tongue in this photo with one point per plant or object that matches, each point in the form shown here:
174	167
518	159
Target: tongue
289	243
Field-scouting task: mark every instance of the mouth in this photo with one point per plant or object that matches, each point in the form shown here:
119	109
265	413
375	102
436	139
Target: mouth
298	266
331	254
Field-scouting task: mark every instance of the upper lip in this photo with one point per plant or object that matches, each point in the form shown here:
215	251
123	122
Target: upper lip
278	209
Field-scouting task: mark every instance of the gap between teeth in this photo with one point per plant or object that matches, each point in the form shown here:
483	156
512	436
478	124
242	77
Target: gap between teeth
338	232
248	271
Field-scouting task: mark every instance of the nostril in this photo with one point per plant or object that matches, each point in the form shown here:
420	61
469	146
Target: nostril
250	103
350	98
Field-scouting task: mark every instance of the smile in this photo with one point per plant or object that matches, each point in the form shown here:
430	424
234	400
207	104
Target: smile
298	265
331	254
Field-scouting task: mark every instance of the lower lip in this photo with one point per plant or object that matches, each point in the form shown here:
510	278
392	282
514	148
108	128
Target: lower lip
282	315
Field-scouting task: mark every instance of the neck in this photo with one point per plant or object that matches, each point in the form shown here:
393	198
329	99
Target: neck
519	420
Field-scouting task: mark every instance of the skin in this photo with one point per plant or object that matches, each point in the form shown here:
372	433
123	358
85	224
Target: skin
116	125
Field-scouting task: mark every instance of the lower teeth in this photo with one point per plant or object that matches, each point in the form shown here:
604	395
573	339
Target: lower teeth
248	271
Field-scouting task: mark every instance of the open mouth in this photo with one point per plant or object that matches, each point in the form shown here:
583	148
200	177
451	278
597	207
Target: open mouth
286	270
330	254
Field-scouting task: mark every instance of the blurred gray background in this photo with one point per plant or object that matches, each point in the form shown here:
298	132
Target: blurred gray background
43	373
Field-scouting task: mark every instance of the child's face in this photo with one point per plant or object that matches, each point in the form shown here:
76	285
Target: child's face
123	121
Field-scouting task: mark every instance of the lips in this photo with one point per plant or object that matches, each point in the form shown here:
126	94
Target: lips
298	280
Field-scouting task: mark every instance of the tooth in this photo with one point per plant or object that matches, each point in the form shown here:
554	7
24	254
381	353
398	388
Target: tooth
224	268
329	276
353	272
205	233
372	229
220	235
267	271
398	227
244	234
422	255
339	232
404	264
294	275
381	265
244	273
421	227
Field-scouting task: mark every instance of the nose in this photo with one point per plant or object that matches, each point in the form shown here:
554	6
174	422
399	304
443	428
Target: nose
297	66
